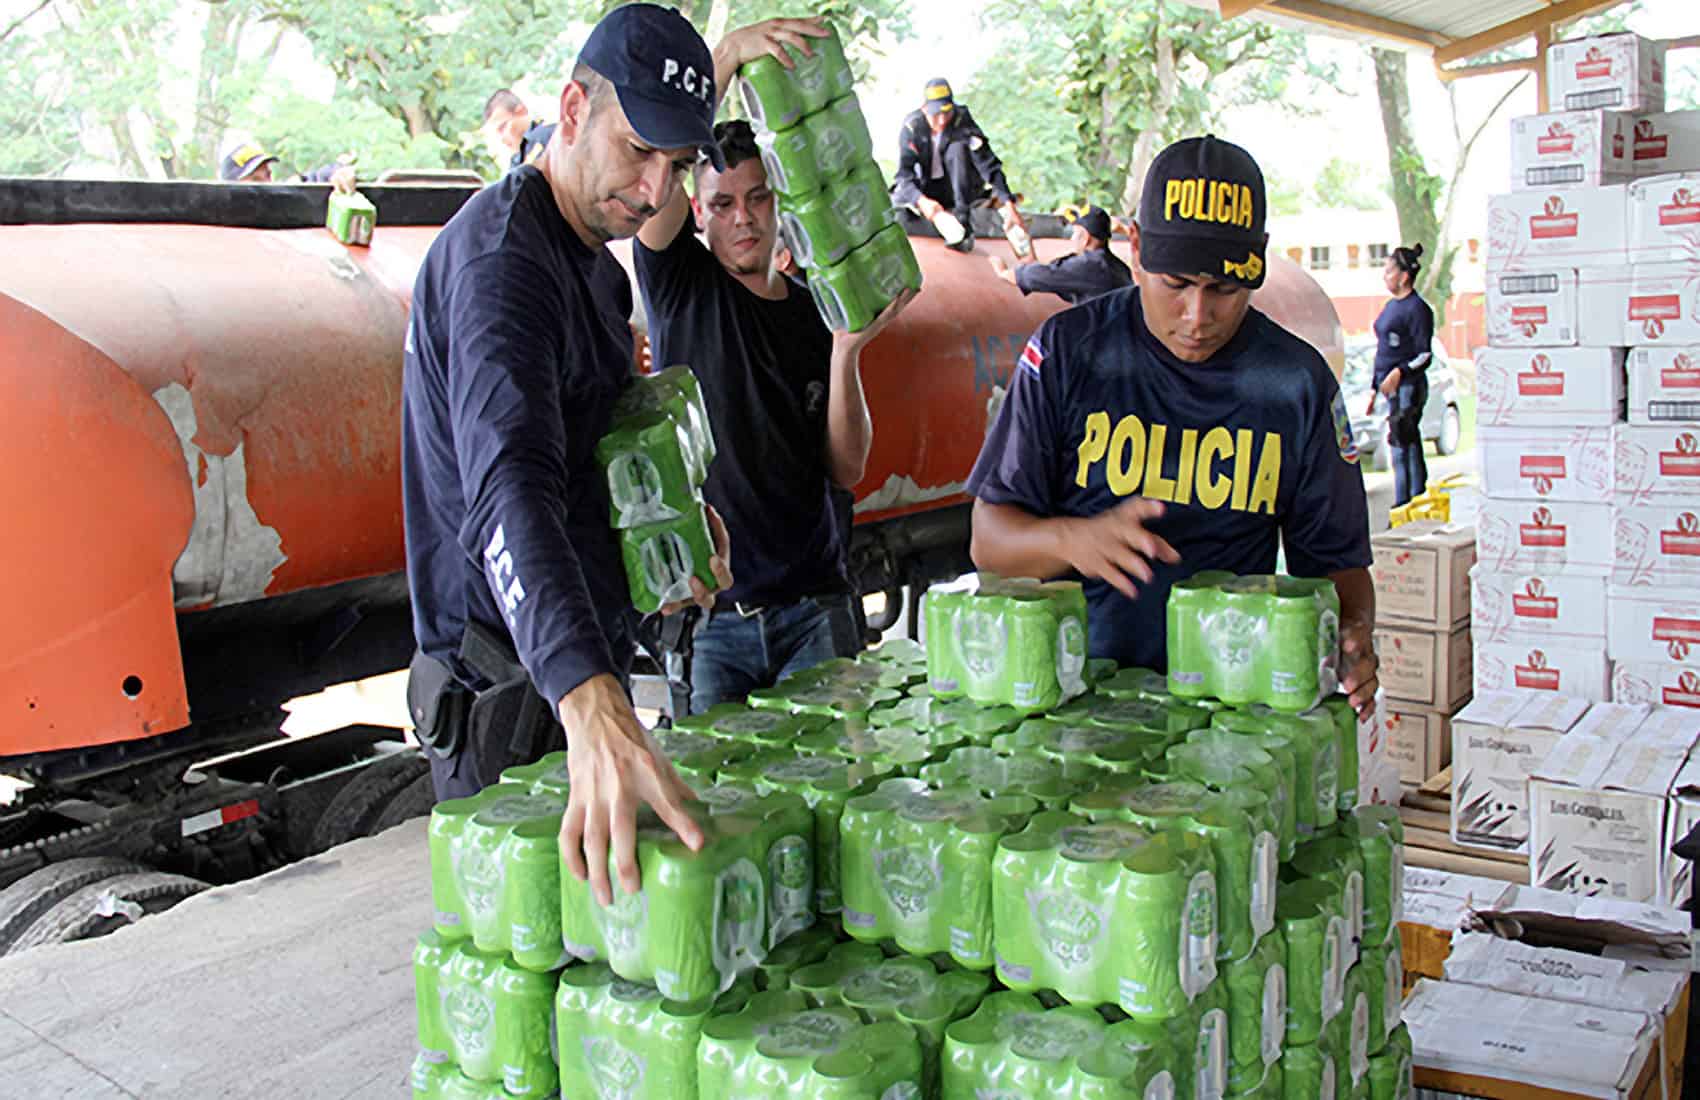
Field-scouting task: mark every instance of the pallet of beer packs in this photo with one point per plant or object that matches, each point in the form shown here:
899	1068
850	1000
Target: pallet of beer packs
986	866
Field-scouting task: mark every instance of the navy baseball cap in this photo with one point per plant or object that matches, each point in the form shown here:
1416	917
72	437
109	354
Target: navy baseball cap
661	71
1202	213
1095	221
936	98
242	162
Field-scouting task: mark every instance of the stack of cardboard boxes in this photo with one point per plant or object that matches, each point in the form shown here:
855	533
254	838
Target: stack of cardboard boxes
1422	601
1588	527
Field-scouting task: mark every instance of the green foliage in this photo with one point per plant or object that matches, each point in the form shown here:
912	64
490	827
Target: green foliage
305	133
40	128
1341	185
1286	196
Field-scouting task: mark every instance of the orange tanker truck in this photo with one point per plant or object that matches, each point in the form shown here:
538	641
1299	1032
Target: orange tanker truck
200	394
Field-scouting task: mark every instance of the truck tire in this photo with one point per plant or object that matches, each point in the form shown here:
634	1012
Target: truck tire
27	899
105	906
415	800
357	807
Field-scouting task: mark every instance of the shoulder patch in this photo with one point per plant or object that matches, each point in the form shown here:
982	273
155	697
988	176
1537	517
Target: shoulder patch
1343	435
1032	356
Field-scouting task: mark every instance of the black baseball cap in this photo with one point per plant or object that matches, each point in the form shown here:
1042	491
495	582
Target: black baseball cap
242	162
1202	213
936	98
662	73
1095	221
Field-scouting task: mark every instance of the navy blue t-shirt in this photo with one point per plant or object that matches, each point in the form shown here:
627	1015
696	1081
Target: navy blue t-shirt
1248	448
518	344
765	368
1077	276
1404	336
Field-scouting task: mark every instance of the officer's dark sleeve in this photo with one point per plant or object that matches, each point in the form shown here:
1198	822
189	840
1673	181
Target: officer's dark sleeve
1326	528
986	162
321	174
1421	333
505	377
1018	463
1061	277
905	186
669	278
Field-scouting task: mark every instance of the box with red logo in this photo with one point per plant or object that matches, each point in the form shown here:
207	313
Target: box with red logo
1570	149
1659	463
1576	671
1664	218
1608	71
1422	574
1583	227
1551	536
1664	304
1530	464
1657	544
1419	741
1664	385
1537	608
1654	624
1660	683
1558	307
1430	668
1549	387
1668	141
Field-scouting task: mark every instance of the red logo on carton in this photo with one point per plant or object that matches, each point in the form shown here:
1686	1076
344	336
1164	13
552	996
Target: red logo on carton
1684	539
1685	692
1677	634
1542	470
1540	380
1535	674
1653	310
1681	374
1556	141
1529	319
1554	222
1683	208
1685	460
1649	144
1541	531
1533	602
1593	65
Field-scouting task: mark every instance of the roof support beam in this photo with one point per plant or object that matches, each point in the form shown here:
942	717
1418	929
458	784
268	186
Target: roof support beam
1517	65
1332	15
1523	27
1228	9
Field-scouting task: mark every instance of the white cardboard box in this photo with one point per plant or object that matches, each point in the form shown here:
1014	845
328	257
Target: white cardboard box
1611	71
1663	385
1661	683
1530	464
1480	958
1555	536
1536	607
1657	544
1573	671
1658	463
1665	141
1419	741
1532	309
1431	668
1422	574
1682	815
1493	752
1581	227
1663	218
1528	1041
1653	624
1571	149
1611	721
1664	304
1549	387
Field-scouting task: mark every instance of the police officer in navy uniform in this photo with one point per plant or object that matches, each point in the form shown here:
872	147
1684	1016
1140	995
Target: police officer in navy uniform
945	166
1088	271
1404	348
1168	428
518	345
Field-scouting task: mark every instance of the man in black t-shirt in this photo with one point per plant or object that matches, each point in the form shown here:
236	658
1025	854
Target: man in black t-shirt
1090	270
1169	428
518	345
785	400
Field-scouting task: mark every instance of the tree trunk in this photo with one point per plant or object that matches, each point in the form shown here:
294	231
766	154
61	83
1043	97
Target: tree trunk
220	42
1414	189
1146	146
129	157
719	12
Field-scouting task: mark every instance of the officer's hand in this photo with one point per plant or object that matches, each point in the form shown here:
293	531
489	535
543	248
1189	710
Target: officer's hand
1390	384
343	179
1359	665
854	342
1115	546
929	208
719	564
1001	268
1369	409
1012	216
613	766
768	39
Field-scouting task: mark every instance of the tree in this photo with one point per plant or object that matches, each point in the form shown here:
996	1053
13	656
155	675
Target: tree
1340	186
40	128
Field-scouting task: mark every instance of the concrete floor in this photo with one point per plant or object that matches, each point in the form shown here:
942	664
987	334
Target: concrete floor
295	984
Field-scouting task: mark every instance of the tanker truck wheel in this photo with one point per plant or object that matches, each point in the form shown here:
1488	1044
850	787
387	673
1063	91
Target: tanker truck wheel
104	907
357	807
24	901
415	800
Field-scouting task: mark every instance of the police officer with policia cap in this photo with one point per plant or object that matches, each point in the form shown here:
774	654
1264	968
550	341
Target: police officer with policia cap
1169	428
1088	271
945	165
518	345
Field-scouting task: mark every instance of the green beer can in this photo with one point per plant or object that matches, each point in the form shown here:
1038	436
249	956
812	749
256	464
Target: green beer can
851	293
444	1082
1239	638
495	869
825	783
647	462
901	750
1013	1046
496	1016
1304	641
777	1047
699	758
976	723
1390	1071
862	203
429	955
1226	762
1310	1070
777	98
1083	752
1309	914
661	558
993	774
623	1039
1339	862
1380	836
1375	967
676	394
1190	611
1349	1035
793	170
840	137
800	949
351	218
814	232
1257	1008
1339	707
917	867
430	1074
547	776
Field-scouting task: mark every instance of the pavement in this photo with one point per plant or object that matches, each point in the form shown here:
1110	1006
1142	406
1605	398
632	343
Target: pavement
298	983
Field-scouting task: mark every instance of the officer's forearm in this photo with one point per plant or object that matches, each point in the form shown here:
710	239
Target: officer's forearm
1357	599
1016	543
849	427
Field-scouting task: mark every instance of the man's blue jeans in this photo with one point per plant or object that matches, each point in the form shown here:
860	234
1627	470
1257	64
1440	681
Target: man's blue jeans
733	654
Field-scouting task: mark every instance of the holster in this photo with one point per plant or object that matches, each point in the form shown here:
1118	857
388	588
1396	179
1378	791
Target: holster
438	704
508	722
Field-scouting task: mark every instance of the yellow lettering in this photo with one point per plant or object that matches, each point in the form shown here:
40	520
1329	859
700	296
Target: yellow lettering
1189	199
1093	444
1122	473
1212	487
1245	208
1242	467
1268	474
1157	487
1183	476
1223	206
1171	195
